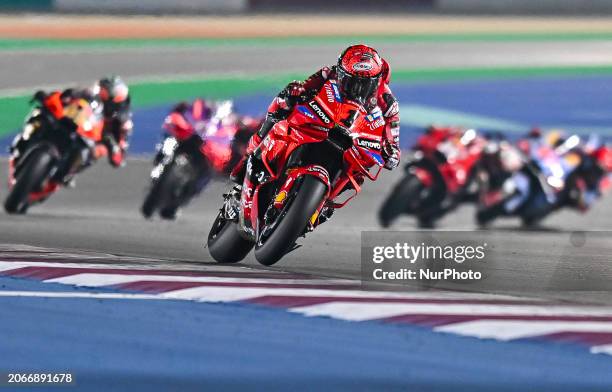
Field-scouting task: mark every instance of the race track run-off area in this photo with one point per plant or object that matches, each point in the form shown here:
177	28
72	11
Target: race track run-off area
89	286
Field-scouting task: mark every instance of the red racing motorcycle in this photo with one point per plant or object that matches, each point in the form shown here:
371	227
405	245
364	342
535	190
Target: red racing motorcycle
203	140
308	165
438	176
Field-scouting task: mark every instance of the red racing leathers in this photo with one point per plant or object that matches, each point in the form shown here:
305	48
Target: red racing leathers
300	91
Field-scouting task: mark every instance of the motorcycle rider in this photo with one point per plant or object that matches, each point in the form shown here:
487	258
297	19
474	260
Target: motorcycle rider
116	101
500	159
592	177
113	96
200	113
213	137
577	170
363	76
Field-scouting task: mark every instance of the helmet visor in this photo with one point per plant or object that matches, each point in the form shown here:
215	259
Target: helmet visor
357	88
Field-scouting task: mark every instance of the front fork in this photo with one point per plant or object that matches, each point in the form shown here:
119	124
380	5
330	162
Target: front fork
249	202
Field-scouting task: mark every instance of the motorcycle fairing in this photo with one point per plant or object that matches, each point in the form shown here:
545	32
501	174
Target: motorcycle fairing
312	122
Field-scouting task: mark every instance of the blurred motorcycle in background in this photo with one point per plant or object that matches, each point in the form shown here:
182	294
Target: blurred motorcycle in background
202	140
58	140
438	176
541	176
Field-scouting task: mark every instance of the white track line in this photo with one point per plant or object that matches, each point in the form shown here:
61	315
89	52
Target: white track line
224	294
227	294
64	294
603	349
9	265
98	280
360	311
519	329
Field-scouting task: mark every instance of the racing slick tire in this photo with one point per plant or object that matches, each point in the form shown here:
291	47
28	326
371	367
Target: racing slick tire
225	244
293	222
36	169
150	203
165	193
397	201
155	195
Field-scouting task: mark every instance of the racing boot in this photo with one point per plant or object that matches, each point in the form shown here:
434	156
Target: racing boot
326	214
231	204
255	169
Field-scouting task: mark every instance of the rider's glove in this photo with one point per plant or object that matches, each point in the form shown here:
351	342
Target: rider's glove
390	154
294	91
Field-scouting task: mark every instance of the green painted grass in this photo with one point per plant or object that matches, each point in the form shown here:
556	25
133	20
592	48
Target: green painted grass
51	44
451	74
152	93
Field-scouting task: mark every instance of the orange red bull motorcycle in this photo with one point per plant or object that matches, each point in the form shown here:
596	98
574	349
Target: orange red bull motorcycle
58	140
308	165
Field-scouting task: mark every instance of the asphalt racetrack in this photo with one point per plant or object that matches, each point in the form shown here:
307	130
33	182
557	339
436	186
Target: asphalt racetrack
101	213
112	303
81	65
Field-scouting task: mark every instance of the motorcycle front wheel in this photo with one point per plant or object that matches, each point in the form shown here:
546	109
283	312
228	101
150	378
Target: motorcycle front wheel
292	222
30	178
167	191
225	244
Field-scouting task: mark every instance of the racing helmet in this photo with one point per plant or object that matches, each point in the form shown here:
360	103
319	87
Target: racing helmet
113	92
202	109
359	71
603	158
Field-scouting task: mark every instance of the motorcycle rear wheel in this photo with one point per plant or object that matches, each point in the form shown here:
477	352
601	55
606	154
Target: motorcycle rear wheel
409	188
35	171
293	222
225	244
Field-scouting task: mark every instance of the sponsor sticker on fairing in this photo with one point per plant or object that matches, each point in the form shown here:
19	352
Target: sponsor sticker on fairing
305	112
319	112
378	123
376	113
319	170
336	92
329	94
377	157
367	143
